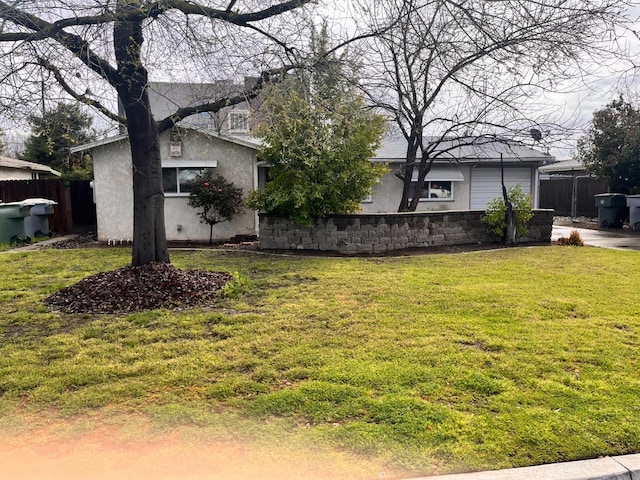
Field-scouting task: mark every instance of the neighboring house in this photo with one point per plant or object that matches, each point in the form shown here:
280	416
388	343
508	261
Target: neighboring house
185	152
13	169
237	120
463	177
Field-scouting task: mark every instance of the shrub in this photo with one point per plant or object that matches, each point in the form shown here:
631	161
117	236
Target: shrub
574	239
218	198
495	214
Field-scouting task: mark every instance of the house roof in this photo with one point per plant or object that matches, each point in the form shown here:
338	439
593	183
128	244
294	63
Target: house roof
244	141
471	150
572	165
7	162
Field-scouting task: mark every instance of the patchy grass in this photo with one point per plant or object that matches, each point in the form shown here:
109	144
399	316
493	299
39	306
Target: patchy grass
436	363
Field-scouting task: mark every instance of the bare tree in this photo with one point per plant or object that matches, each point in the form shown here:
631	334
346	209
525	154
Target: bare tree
90	46
450	72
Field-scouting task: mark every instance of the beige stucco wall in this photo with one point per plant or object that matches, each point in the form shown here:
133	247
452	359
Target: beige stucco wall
113	188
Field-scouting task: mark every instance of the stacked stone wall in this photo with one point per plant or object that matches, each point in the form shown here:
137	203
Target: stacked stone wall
378	233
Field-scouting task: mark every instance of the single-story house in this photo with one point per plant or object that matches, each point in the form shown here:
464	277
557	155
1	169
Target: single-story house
185	152
464	176
14	169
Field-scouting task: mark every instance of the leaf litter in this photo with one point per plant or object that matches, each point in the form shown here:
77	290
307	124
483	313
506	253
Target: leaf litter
137	288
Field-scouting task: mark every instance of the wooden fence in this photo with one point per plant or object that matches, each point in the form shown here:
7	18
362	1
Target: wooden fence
75	202
571	196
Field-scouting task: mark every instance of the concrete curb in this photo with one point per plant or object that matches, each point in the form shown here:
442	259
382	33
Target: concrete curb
625	467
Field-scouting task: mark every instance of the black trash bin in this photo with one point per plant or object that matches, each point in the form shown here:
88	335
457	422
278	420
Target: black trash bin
612	209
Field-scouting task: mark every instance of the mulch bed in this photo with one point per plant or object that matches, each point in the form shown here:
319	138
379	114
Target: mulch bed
132	289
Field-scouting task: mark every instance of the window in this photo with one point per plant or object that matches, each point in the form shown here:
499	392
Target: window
238	121
175	180
434	190
438	185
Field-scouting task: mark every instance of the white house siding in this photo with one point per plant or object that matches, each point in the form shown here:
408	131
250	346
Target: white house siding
388	193
113	184
486	183
16	174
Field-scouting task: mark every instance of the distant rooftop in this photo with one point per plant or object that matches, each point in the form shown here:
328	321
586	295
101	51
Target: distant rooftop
467	150
571	165
8	162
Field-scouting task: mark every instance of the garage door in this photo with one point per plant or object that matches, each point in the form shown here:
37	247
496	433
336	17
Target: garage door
486	185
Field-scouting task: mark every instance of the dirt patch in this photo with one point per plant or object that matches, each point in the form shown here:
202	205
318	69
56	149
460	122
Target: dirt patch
104	453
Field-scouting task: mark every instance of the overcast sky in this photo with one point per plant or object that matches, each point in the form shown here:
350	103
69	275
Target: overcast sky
573	108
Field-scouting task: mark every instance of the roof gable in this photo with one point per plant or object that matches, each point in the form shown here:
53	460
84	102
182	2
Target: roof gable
245	141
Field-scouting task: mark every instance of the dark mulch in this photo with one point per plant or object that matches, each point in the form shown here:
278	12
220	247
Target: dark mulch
132	289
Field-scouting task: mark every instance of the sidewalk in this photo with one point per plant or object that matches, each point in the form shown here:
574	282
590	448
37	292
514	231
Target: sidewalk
625	467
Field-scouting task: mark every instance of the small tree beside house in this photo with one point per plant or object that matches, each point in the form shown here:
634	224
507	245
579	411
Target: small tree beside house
218	199
318	137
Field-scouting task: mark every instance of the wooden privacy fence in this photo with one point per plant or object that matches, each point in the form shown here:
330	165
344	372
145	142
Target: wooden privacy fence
571	196
75	202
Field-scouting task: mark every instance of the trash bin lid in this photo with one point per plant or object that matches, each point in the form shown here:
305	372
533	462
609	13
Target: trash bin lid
14	210
38	201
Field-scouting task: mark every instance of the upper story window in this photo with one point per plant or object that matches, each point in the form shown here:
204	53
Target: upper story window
238	121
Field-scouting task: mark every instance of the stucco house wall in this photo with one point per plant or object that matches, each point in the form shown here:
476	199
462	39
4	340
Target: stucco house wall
113	185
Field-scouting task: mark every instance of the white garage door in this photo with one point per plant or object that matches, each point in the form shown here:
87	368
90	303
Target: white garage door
486	184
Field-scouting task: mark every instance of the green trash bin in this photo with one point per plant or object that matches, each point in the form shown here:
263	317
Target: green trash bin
12	222
612	209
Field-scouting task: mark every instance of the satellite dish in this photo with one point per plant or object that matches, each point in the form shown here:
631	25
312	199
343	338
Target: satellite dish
535	134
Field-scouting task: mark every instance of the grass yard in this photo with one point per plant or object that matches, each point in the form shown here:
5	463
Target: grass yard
429	364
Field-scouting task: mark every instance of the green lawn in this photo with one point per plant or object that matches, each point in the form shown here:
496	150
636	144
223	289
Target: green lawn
432	364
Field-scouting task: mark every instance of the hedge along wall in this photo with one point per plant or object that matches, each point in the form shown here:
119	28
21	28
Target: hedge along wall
377	233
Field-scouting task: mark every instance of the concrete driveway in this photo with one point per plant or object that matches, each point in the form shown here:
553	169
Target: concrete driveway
617	238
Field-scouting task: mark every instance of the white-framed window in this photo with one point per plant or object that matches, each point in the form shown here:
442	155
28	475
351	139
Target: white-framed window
175	180
238	121
434	190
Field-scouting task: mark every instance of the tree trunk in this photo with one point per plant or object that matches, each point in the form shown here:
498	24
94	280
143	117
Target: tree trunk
511	228
149	237
413	145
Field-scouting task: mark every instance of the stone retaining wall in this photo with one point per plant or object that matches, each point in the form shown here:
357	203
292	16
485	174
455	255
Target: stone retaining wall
377	233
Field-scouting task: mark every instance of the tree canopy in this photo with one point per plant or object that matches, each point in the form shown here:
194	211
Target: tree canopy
463	70
318	140
90	51
53	133
611	147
